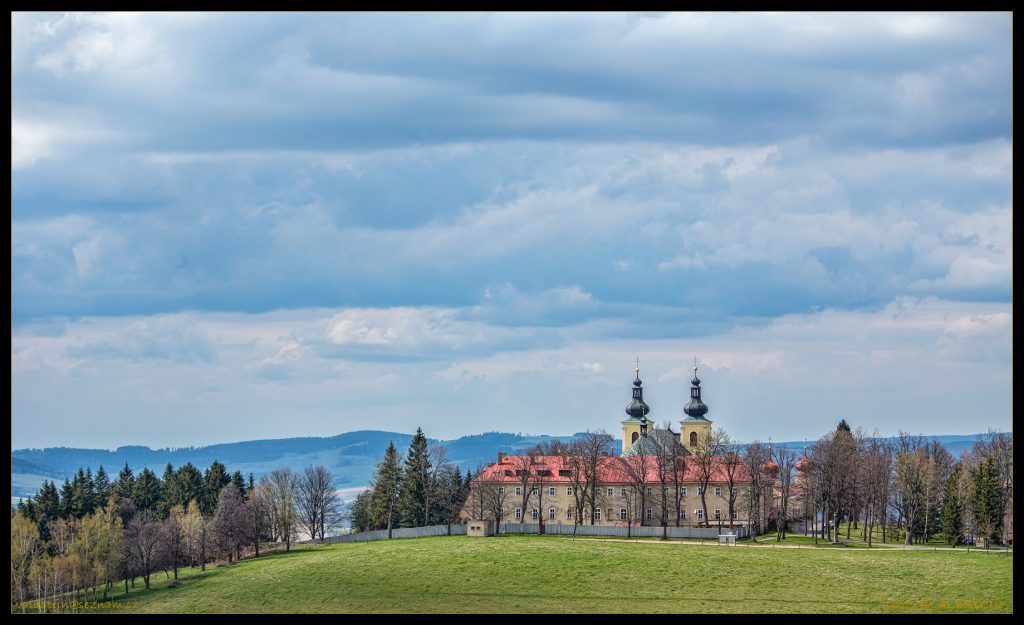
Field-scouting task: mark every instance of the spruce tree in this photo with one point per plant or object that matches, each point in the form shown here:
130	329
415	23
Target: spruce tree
102	487
415	483
952	508
148	492
125	483
67	496
190	484
239	482
988	500
172	493
215	479
386	488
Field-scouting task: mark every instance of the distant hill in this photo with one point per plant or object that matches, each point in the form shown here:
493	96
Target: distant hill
351	456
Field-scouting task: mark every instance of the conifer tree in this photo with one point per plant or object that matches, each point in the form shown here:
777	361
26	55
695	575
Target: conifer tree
125	483
416	487
215	479
988	500
102	487
952	508
386	487
148	491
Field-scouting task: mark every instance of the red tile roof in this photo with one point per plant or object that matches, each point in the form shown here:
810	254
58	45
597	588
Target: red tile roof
611	470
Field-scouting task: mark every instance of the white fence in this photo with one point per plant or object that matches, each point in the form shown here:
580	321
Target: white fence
707	533
403	532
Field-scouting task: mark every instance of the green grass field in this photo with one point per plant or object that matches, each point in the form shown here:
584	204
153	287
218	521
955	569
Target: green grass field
533	574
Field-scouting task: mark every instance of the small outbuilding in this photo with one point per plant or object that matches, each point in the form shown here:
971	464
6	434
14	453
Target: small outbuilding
479	528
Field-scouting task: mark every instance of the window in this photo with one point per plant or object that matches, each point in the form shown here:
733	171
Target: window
519	513
519	490
551	513
682	514
718	491
622	492
693	439
569	490
536	513
718	514
501	490
520	472
650	513
611	491
650	491
533	491
700	490
635	436
682	491
597	514
700	513
551	491
622	514
563	473
568	513
508	472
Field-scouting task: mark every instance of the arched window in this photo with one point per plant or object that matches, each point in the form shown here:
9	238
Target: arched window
636	435
693	439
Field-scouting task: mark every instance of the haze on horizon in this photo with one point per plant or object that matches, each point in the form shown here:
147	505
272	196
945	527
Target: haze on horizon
232	227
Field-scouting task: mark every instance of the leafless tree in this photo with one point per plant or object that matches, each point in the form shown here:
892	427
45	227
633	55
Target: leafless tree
706	457
668	452
592	449
142	537
173	540
755	455
283	484
910	478
258	515
637	470
527	481
317	501
732	467
227	522
875	469
786	461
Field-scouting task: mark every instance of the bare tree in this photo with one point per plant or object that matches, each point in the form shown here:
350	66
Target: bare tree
705	458
527	481
592	449
638	471
732	466
669	462
875	469
173	540
755	455
317	501
786	461
227	521
142	537
284	484
258	515
909	479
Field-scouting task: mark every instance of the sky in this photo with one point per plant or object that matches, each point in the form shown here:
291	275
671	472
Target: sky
240	226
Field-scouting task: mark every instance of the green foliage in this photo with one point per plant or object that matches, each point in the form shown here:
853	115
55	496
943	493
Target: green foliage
386	487
415	482
952	508
214	480
988	500
843	426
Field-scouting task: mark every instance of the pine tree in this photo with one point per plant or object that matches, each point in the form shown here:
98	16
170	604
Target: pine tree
952	508
215	479
190	484
843	426
415	483
125	483
148	492
102	487
386	488
67	496
239	482
171	491
988	500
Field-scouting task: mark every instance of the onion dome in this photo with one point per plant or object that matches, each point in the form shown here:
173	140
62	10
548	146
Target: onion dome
637	408
803	464
770	468
695	408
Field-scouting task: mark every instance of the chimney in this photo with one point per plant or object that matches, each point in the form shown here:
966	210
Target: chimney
501	457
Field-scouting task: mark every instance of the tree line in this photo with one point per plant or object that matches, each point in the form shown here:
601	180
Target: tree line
426	490
911	487
78	541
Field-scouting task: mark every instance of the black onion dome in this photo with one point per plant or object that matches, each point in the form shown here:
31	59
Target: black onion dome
637	408
695	408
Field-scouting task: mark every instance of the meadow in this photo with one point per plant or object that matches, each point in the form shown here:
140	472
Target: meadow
548	574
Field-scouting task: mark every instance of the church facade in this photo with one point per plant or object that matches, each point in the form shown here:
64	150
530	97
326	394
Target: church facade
657	477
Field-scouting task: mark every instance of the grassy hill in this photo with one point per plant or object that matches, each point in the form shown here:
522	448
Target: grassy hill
535	574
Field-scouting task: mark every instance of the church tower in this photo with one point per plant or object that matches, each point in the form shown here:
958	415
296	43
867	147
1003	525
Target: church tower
695	426
636	425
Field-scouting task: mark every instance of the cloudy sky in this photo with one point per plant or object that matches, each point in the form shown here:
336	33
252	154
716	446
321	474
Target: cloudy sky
227	227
